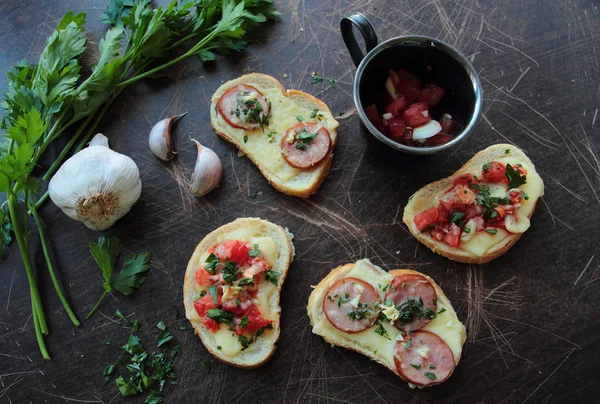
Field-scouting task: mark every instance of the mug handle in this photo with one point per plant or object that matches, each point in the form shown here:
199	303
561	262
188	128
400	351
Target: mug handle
366	30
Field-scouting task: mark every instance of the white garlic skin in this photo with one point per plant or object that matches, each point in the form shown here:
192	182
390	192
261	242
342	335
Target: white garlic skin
96	186
160	139
207	172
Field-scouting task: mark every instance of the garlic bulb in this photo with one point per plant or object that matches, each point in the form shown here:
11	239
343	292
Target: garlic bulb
160	139
96	186
208	171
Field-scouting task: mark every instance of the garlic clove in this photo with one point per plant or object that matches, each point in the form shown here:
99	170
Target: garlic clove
207	172
160	139
96	186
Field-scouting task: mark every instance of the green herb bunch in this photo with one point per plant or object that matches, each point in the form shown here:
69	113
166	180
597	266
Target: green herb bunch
52	99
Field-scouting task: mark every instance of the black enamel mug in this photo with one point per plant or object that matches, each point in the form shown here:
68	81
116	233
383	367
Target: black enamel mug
432	60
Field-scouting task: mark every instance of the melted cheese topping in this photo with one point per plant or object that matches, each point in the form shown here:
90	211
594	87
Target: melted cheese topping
227	340
267	149
446	325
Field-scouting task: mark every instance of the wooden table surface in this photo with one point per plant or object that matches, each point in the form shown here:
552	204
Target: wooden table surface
532	315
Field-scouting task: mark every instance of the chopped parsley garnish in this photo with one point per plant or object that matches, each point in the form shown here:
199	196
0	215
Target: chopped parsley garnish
412	309
250	111
515	179
491	231
300	146
213	292
385	287
403	285
206	367
456	217
525	196
272	276
202	293
506	151
418	367
245	138
429	375
165	336
299	118
221	316
245	282
213	262
316	78
230	272
362	312
408	344
244	322
332	82
245	342
306	137
254	251
442	310
380	329
314	113
432	366
488	202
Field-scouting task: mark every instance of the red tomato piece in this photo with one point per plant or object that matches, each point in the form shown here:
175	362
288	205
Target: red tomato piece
438	233
494	172
374	117
202	306
426	218
408	79
473	211
255	321
396	107
465	179
440	138
452	238
397	127
410	93
203	277
444	214
416	115
233	251
432	95
448	124
239	304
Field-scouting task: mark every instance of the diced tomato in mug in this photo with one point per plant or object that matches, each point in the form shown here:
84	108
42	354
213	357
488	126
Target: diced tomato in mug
452	238
426	218
408	79
431	95
397	127
394	77
410	93
396	107
416	115
374	117
494	172
448	124
440	138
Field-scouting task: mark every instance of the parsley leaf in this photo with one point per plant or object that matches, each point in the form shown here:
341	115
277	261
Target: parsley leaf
381	330
515	179
429	375
254	252
272	276
221	316
417	366
306	137
456	217
299	118
408	344
132	274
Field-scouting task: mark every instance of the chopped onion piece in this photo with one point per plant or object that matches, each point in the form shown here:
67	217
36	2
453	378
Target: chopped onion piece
424	132
391	89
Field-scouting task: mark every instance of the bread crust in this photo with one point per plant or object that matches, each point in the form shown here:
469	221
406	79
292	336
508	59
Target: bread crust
322	169
315	311
286	249
429	191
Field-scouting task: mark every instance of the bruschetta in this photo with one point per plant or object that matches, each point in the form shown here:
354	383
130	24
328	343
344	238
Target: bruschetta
232	287
480	211
288	134
401	319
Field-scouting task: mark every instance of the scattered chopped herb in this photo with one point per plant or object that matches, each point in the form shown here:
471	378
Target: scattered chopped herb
212	261
120	315
380	329
403	285
488	202
214	293
206	367
219	347
161	326
221	316
332	82
456	217
385	287
244	341
525	196
131	276
429	375
432	366
245	282
412	309
362	312
165	336
272	276
238	302
254	251
429	227
230	271
491	231
442	310
107	342
176	349
314	113
182	328
202	293
245	138
506	151
300	146
316	78
408	344
515	179
306	137
418	367
244	322
486	167
299	118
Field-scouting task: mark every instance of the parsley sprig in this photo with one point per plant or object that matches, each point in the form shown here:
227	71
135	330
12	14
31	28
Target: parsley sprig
131	276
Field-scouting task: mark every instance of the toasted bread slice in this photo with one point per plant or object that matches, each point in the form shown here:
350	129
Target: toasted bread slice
280	251
370	342
263	146
491	246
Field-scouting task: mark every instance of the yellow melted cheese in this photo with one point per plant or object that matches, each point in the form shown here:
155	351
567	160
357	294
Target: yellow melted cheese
446	325
267	148
227	340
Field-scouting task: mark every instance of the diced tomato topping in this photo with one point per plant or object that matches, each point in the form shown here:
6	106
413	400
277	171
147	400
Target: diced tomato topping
396	107
238	304
472	211
416	115
438	233
374	117
410	93
394	77
452	238
426	218
408	79
440	138
451	202
255	322
465	194
502	211
444	214
514	196
448	124
432	95
202	306
465	179
257	265
397	127
479	223
494	172
203	277
233	251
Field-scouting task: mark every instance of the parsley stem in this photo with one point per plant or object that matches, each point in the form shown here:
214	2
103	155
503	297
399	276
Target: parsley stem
97	304
59	292
38	335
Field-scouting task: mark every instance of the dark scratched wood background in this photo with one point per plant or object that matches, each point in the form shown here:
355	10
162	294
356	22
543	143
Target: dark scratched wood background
532	315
